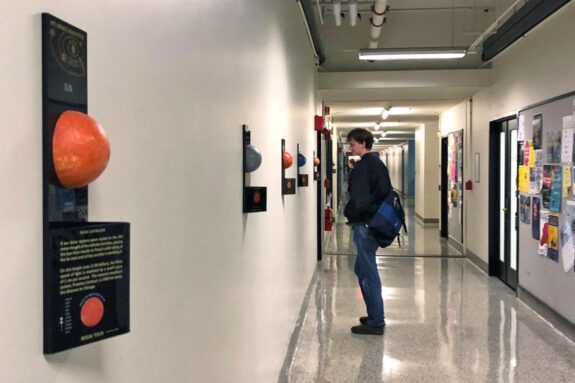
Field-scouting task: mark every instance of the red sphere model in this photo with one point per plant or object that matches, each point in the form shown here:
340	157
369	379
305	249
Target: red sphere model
287	160
92	311
257	197
316	161
80	149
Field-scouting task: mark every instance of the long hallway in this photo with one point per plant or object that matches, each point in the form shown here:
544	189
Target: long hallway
446	322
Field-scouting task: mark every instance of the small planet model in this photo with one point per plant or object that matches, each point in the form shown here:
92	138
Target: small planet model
80	149
287	160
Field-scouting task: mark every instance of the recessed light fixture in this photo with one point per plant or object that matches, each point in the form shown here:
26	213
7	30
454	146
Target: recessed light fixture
394	111
376	126
412	54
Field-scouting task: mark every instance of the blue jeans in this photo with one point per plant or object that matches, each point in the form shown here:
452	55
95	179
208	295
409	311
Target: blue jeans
367	274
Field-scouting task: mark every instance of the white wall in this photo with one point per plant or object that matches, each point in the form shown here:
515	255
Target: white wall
426	171
537	67
215	294
394	167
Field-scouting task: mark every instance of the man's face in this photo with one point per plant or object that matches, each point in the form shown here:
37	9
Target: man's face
356	148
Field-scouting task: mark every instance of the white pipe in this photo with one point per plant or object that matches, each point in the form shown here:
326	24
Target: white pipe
377	20
319	12
337	12
352	12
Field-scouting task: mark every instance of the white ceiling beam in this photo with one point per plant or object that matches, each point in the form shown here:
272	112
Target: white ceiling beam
465	78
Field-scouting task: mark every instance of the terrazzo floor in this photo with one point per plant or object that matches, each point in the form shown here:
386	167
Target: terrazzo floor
446	322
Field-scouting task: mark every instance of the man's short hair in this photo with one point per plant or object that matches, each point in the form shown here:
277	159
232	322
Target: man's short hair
362	136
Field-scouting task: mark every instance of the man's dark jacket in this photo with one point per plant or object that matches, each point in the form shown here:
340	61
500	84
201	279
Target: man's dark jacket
369	184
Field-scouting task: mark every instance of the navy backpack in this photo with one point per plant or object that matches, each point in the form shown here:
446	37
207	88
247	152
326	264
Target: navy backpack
388	220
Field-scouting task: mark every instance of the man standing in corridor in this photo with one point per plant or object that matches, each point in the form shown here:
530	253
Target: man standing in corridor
368	186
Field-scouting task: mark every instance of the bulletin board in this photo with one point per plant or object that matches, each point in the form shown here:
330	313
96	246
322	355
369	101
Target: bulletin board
546	215
455	185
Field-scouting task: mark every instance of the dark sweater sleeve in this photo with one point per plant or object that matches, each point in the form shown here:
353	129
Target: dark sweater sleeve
360	196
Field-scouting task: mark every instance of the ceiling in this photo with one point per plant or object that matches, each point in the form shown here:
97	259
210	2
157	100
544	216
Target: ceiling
410	24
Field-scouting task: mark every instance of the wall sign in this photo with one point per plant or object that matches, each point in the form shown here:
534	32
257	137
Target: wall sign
86	264
255	197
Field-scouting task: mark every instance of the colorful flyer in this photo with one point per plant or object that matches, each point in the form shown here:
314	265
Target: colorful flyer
537	132
538	157
535	180
521	128
553	238
543	233
567	181
553	146
535	233
523	177
567	249
567	232
546	189
556	190
526	153
525	209
532	159
567	141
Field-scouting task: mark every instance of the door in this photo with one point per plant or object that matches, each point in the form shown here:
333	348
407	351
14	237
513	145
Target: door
504	211
443	188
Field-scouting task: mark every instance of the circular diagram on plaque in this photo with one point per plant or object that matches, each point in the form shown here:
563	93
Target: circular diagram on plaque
91	311
69	52
257	197
288	184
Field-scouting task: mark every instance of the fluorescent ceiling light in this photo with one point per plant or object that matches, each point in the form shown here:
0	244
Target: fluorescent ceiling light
400	110
412	54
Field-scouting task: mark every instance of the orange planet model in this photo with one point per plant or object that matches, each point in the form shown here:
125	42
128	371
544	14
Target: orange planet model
257	197
316	161
80	149
287	160
92	311
288	184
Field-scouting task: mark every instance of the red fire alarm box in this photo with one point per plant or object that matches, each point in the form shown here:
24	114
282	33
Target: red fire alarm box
318	126
469	185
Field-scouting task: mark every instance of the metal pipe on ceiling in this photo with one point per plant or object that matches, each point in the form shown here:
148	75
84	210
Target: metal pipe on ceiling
352	12
379	10
337	12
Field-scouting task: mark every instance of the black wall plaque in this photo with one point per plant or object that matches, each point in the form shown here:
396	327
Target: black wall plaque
288	184
254	197
86	272
302	179
86	265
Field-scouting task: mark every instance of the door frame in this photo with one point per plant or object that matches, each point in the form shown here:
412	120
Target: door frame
496	268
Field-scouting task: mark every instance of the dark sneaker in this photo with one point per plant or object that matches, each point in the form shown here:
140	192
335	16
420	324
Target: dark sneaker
365	329
364	320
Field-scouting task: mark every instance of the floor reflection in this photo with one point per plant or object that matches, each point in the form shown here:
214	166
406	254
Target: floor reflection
447	322
420	240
